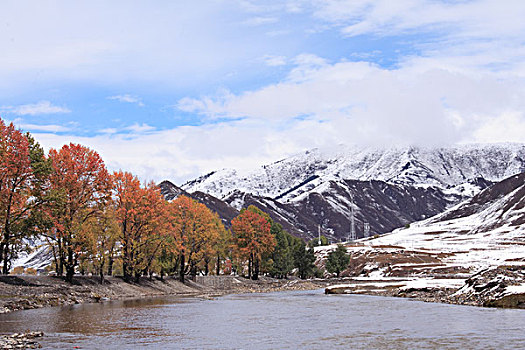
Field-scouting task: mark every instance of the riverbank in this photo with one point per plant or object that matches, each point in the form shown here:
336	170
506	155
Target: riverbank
30	292
502	286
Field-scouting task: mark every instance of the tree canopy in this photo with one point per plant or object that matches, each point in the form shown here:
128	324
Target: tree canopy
105	224
337	260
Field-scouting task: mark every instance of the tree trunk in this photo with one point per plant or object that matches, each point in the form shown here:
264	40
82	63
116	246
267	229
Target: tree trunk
5	252
181	271
255	269
70	265
250	266
7	225
101	271
70	271
60	270
5	258
110	265
218	267
125	271
1	252
126	260
193	270
55	259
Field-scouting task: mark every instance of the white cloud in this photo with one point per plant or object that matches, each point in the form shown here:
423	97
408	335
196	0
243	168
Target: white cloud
127	99
461	78
484	34
258	21
363	103
274	61
506	127
484	18
44	128
42	107
325	105
108	131
174	43
186	152
140	128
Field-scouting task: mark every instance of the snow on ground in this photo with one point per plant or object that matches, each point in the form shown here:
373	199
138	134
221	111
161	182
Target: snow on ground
421	283
38	258
414	283
519	289
461	238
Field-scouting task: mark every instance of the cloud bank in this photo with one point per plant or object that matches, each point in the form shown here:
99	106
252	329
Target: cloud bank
256	81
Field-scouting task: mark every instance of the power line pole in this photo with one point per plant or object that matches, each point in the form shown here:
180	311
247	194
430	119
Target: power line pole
352	222
366	229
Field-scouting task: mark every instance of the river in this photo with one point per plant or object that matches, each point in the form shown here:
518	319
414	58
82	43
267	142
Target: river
282	320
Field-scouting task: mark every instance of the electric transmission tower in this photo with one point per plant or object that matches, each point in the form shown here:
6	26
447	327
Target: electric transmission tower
352	236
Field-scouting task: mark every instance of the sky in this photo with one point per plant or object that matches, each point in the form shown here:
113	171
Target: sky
176	89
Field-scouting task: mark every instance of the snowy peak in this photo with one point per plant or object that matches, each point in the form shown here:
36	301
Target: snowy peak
387	187
443	167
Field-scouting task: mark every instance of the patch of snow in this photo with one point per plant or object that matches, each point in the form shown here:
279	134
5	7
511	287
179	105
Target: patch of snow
519	289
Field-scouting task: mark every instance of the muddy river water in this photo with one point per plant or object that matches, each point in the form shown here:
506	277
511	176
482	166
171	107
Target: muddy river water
283	320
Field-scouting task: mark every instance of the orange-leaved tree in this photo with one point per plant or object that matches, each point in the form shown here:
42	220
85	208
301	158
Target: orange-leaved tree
100	234
195	229
252	238
222	246
218	246
140	212
22	174
82	186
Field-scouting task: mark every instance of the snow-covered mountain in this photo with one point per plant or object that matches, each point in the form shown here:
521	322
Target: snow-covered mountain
290	178
387	187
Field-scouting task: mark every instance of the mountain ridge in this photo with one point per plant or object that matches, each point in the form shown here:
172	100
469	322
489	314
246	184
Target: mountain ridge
401	179
424	166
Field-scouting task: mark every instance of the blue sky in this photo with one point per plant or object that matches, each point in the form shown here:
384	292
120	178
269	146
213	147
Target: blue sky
171	90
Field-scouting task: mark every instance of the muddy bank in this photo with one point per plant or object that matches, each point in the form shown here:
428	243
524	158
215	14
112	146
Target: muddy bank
30	292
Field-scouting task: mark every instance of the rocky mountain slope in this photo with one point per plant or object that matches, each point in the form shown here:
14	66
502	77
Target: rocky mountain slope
387	187
473	253
487	230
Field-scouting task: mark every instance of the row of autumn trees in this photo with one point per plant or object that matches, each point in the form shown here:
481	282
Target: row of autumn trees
103	223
